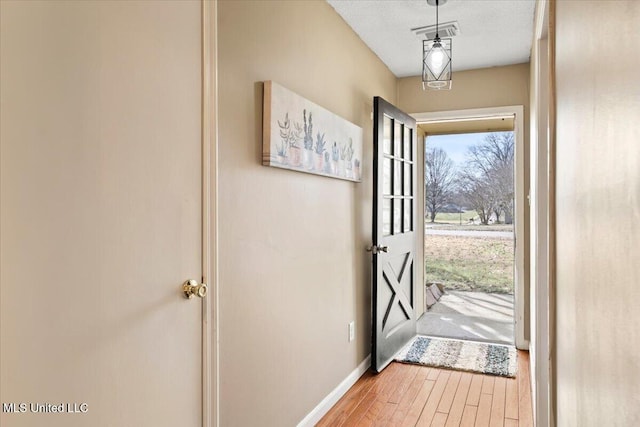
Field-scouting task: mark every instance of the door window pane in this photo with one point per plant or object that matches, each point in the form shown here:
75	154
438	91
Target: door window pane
386	217
408	215
408	152
386	139
407	179
397	178
386	176
397	216
397	139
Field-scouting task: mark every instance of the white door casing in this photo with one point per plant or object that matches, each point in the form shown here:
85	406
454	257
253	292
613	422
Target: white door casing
518	112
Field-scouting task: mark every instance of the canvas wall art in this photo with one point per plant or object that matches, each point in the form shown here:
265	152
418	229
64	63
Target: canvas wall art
302	136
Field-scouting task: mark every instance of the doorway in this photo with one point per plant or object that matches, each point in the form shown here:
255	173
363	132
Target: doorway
469	247
454	307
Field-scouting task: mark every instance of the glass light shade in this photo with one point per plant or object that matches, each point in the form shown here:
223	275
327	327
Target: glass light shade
435	58
436	68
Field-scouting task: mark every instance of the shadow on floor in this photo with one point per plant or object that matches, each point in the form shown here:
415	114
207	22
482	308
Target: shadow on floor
476	316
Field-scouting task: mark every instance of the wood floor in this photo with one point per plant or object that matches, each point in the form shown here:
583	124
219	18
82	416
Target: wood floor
410	395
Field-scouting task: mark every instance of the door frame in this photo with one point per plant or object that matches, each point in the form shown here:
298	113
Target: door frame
209	167
541	220
520	279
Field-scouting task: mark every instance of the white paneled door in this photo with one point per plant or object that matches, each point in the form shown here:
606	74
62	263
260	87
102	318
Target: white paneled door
394	232
101	192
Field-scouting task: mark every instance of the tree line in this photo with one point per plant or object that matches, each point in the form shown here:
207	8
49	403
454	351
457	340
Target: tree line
483	183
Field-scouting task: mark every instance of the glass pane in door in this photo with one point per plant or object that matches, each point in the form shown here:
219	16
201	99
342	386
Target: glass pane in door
397	139
408	152
408	211
386	177
407	179
397	178
397	216
386	139
386	217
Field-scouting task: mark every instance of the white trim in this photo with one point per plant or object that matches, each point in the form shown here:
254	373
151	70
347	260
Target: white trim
467	119
521	207
540	221
206	210
327	403
463	115
209	120
518	112
541	20
206	131
419	291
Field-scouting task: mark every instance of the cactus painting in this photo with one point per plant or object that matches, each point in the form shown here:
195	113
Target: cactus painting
289	146
302	136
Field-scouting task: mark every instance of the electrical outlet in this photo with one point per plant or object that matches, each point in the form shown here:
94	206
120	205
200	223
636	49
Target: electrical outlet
352	331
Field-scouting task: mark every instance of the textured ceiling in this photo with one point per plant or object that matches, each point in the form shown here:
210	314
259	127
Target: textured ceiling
492	32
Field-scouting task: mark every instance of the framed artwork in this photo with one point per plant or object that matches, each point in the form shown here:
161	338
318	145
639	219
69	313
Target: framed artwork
302	136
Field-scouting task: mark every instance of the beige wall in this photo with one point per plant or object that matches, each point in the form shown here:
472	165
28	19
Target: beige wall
293	269
598	213
486	87
483	88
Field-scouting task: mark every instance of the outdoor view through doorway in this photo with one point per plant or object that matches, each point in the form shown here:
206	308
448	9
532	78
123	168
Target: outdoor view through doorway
469	237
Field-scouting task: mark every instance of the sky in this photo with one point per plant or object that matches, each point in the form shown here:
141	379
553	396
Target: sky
455	145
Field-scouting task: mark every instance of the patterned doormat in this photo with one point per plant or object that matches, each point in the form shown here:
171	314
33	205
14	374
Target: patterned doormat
492	359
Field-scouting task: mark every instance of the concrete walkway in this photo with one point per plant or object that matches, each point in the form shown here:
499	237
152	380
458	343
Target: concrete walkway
476	316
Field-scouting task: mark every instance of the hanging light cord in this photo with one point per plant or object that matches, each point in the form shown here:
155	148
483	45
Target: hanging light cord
437	19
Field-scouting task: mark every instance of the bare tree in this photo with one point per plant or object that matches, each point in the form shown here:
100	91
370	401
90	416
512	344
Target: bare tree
495	150
439	179
502	183
477	194
487	178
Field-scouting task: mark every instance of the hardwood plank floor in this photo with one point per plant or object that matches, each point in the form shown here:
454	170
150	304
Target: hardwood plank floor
497	403
411	395
457	408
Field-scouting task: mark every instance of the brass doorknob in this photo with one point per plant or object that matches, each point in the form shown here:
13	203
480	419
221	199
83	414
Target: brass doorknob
192	288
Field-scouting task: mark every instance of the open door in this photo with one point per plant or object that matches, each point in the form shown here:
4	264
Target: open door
394	237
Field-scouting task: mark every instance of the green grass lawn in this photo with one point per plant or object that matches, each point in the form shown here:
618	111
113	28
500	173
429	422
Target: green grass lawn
452	218
453	221
470	263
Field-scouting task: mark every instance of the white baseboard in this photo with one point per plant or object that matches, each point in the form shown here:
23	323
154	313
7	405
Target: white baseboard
327	403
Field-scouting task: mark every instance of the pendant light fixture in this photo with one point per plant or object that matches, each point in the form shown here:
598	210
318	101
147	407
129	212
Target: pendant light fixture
436	58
